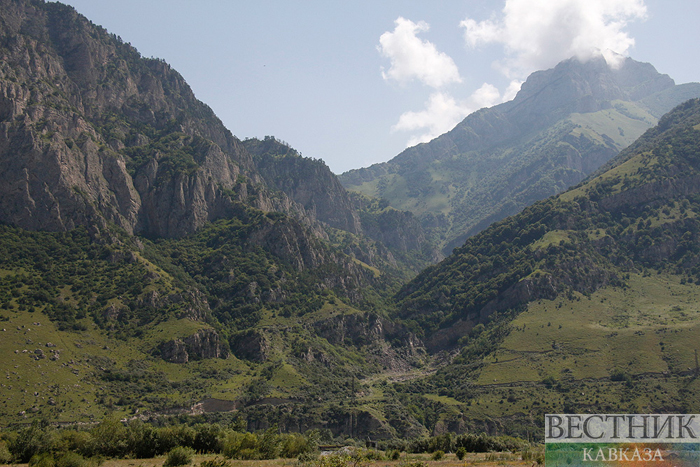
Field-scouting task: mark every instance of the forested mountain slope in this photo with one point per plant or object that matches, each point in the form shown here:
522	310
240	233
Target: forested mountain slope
584	301
150	261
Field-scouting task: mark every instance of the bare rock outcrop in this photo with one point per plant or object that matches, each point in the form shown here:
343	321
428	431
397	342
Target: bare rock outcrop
204	344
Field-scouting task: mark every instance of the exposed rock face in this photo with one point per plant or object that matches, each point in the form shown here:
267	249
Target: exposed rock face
311	184
201	345
307	181
375	333
174	351
105	135
359	329
250	345
398	230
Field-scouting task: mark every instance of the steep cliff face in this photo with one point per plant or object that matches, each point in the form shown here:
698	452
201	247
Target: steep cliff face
201	345
105	135
308	182
92	134
312	185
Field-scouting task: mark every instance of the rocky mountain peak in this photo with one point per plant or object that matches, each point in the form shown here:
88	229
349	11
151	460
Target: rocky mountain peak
583	87
574	86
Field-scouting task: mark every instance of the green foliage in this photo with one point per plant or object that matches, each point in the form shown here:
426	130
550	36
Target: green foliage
175	152
437	455
412	463
5	455
269	444
215	462
235	273
468	442
573	243
333	460
44	459
208	438
110	438
461	452
35	439
620	375
77	441
295	444
72	459
239	445
70	276
179	456
143	440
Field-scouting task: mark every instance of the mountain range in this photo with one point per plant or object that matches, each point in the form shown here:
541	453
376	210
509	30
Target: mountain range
154	265
562	125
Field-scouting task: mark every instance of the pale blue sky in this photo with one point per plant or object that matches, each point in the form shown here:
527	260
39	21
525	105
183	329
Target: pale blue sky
310	72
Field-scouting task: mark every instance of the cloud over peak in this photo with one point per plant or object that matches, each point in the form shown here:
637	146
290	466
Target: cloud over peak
413	58
538	34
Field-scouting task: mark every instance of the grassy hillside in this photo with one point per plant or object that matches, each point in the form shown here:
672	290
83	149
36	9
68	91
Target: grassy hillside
585	301
92	324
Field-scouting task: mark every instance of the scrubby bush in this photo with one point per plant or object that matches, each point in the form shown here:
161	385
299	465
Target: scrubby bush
306	459
269	444
171	437
394	454
295	444
334	460
109	438
35	439
369	454
209	438
179	456
142	440
71	459
461	452
74	441
215	462
437	455
238	444
412	463
43	459
5	455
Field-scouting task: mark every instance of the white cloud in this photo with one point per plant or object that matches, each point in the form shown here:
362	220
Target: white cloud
512	90
413	58
538	34
486	96
442	112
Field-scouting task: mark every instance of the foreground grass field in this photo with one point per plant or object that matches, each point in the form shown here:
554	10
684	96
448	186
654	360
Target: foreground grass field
450	460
